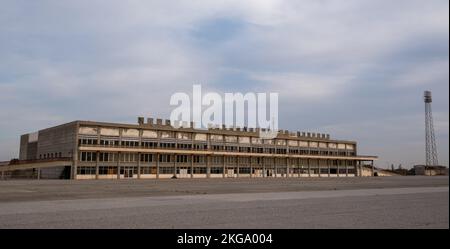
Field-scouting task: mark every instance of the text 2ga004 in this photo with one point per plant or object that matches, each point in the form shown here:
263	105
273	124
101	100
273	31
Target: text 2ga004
246	238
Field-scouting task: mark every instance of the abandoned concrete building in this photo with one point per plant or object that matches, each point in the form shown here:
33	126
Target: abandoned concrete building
152	150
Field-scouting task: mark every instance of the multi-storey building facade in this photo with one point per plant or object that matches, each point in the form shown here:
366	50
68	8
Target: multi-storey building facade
101	150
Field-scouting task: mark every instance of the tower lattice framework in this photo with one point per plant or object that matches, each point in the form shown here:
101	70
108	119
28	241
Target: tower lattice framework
430	140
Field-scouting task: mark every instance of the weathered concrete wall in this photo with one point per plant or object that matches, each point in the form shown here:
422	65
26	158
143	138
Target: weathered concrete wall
28	147
56	140
23	147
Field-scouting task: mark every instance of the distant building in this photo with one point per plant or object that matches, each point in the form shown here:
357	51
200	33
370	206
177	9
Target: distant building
98	150
424	170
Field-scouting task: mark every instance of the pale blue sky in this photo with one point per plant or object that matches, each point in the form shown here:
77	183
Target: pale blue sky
355	69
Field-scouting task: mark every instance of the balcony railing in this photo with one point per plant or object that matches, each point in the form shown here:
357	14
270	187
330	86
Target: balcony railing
266	150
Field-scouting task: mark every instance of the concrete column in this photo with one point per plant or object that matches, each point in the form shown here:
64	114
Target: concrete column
96	164
118	165
318	166
192	166
338	162
357	168
346	168
157	165
309	167
237	168
224	167
3	175
373	169
174	165
38	173
251	167
74	163
299	167
287	167
139	165
208	166
329	167
275	167
264	167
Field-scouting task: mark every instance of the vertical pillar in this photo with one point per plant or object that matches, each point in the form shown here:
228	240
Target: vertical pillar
329	168
38	173
299	167
157	165
75	162
97	158
238	164
264	167
251	167
287	167
3	175
139	165
338	162
318	166
174	165
208	166
346	168
192	166
118	165
373	169
309	167
275	167
223	164
358	168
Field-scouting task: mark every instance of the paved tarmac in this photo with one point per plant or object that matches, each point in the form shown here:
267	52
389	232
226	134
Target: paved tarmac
380	202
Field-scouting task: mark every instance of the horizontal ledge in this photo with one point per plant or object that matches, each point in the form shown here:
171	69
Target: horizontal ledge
222	153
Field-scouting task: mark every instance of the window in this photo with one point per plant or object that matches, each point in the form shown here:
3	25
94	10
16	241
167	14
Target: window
109	142
217	160
87	156
146	158
128	157
216	170
199	159
130	143
87	141
293	151
107	170
167	145
107	157
166	170
231	160
82	170
148	170
281	151
147	144
245	149
200	146
217	147
199	170
165	158
182	159
184	146
244	170
231	148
